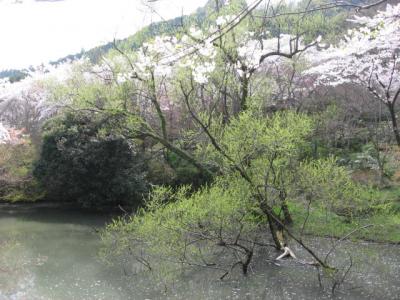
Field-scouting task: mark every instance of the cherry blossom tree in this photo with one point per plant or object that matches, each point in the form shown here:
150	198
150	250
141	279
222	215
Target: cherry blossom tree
368	56
25	104
4	134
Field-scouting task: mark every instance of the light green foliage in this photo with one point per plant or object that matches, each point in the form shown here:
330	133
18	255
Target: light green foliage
254	143
262	163
329	186
16	160
320	222
385	201
83	90
16	165
176	227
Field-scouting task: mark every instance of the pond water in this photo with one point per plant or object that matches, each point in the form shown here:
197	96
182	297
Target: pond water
48	253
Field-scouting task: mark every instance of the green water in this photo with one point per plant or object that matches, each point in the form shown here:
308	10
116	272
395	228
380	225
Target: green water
48	253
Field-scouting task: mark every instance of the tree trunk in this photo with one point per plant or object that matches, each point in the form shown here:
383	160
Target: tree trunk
276	233
393	117
288	220
156	104
181	153
245	93
246	263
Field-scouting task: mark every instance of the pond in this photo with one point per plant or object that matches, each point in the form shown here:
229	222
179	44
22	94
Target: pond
49	253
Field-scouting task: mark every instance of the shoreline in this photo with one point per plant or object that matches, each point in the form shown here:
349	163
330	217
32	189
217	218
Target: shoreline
115	212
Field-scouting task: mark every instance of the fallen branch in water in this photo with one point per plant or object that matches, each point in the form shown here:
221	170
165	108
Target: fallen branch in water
287	252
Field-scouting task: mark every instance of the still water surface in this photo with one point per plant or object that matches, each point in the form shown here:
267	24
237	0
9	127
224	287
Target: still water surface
51	254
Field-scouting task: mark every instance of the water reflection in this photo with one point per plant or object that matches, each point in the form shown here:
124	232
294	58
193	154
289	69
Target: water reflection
47	253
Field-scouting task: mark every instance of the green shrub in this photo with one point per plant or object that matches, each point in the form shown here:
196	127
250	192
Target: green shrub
84	159
16	180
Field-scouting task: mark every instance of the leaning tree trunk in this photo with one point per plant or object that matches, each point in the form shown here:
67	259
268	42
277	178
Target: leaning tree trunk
275	229
277	236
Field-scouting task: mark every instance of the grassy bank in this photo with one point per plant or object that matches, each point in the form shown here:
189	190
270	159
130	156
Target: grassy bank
384	218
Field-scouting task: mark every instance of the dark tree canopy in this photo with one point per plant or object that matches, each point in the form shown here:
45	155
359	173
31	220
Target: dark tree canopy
85	161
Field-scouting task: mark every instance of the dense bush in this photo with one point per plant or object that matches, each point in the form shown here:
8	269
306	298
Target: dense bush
16	180
84	159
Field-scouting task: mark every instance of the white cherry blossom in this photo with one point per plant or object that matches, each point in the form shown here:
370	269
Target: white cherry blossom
368	56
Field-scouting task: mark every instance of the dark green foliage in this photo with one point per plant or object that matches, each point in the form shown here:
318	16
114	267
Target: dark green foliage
185	173
83	160
13	75
68	58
